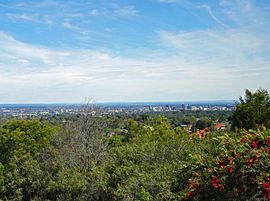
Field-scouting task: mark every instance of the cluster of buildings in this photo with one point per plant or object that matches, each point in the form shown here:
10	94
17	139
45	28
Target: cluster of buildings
36	110
126	108
203	132
217	126
222	107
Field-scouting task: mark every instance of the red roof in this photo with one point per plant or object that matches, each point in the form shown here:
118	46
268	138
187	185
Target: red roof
219	125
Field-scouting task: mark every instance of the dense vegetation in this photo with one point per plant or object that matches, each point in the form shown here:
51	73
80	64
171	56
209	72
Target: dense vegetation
140	158
253	111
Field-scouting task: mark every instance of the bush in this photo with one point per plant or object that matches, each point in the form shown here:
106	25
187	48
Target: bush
239	172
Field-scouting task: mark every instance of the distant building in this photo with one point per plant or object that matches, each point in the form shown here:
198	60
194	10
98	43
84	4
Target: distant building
194	108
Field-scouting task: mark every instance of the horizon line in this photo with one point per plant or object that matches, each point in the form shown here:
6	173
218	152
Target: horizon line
118	102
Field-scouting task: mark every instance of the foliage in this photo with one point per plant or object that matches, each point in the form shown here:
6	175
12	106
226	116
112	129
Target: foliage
146	167
141	158
21	136
82	143
21	143
1	174
203	123
81	146
241	171
253	111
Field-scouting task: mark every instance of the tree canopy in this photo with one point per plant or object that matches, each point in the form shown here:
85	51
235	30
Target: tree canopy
100	158
252	111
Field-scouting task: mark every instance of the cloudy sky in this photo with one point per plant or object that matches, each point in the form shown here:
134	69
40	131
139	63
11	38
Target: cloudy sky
132	50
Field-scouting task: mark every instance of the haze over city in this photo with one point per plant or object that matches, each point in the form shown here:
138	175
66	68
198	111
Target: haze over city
56	51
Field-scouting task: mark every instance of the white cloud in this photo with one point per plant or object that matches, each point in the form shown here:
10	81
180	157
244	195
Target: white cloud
38	74
125	11
75	28
239	53
227	46
25	17
98	12
199	64
244	12
115	9
211	14
34	18
243	47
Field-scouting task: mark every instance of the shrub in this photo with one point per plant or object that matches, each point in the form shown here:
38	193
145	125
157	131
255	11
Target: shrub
239	172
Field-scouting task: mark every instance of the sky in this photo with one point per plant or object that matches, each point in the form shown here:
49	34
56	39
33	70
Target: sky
64	51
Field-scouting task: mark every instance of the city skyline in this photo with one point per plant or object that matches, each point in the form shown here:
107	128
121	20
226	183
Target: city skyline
56	51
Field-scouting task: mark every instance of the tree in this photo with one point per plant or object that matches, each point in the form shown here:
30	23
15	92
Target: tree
149	166
201	124
20	137
252	111
21	172
82	145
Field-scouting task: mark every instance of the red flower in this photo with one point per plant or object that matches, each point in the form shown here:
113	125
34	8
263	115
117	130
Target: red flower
251	160
254	144
222	164
190	194
217	183
221	187
230	170
265	186
266	191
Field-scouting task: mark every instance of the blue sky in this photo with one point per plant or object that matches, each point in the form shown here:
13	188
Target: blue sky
140	50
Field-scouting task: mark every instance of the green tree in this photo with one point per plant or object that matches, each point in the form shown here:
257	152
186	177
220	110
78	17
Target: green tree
252	111
150	165
201	124
21	172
